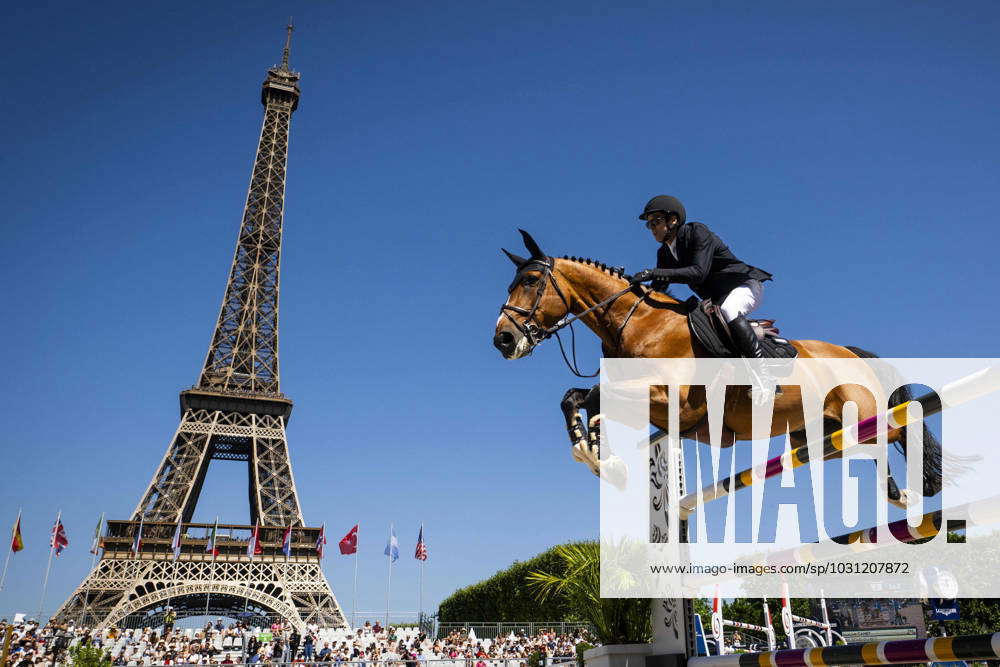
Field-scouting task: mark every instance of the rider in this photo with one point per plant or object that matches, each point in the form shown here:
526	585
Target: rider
692	254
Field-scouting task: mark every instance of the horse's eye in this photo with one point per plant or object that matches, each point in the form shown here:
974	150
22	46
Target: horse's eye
531	280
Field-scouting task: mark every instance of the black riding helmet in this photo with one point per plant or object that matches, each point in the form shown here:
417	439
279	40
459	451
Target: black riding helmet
667	204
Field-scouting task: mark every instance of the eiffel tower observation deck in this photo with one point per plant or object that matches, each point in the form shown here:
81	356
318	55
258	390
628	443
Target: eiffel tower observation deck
236	412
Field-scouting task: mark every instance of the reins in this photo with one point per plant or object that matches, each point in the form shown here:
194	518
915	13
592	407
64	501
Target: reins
568	322
574	367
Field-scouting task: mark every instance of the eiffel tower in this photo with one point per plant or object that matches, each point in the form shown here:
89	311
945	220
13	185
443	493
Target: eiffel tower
236	412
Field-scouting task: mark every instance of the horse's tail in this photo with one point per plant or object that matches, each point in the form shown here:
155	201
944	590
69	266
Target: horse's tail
889	376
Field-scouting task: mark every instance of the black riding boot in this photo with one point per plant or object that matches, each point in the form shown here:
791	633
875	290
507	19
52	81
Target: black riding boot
749	347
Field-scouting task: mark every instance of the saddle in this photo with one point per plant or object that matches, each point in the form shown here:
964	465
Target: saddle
710	328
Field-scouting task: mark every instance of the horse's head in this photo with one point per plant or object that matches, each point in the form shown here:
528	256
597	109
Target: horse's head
535	303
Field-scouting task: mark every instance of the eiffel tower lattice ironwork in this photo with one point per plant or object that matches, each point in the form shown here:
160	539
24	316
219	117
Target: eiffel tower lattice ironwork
236	412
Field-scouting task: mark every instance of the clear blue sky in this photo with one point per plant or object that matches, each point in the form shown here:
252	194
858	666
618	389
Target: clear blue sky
851	150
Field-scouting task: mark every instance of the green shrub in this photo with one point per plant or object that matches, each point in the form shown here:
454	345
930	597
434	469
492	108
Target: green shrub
89	656
505	597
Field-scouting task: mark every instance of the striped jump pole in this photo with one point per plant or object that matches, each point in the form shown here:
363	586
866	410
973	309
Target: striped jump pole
939	649
966	389
985	512
719	625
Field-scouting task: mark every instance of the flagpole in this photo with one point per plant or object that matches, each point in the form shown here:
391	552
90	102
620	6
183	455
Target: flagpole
10	550
215	541
173	576
422	563
254	542
93	563
388	585
287	552
45	582
354	606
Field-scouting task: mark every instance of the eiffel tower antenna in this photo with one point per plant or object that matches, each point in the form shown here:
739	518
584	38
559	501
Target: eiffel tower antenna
288	44
235	412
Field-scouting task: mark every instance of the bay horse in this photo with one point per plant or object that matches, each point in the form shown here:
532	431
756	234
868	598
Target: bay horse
634	321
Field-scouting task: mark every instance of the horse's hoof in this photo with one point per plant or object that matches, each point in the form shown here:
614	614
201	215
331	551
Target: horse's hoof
614	472
587	456
906	499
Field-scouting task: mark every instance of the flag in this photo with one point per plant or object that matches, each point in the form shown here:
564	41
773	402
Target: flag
286	542
59	541
95	546
137	542
211	547
16	543
175	544
349	544
321	540
392	548
421	553
253	546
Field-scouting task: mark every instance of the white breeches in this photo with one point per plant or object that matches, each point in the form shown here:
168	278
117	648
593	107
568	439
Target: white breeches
742	300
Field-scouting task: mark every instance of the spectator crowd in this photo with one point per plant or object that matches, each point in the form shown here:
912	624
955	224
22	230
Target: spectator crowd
238	643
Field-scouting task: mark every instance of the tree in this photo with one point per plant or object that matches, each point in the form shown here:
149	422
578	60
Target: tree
578	582
505	597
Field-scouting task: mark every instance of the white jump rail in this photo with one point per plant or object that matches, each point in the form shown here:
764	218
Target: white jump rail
719	625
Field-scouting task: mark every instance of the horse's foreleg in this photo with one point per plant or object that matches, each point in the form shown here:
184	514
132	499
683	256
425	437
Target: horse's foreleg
581	409
585	440
571	404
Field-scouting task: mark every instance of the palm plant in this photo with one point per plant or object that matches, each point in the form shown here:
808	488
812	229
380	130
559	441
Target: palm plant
615	620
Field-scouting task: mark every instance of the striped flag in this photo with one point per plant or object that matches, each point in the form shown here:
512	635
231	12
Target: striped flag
16	542
392	548
211	547
137	542
321	540
421	553
286	542
95	546
59	541
175	544
253	546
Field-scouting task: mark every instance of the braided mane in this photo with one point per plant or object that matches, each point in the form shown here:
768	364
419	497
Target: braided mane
616	271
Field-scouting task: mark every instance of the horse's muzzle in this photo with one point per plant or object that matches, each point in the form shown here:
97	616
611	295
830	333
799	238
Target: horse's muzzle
504	341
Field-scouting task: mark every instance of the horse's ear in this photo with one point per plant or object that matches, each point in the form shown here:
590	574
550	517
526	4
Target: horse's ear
518	261
529	243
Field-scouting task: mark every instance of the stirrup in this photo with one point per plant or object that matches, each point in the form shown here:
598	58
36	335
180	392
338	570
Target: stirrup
766	394
770	390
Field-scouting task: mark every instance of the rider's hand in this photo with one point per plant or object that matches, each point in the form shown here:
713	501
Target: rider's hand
641	276
660	284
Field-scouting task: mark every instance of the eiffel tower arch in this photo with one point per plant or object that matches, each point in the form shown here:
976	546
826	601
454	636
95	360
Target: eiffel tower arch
236	412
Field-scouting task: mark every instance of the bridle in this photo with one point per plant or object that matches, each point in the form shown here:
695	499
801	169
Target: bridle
533	330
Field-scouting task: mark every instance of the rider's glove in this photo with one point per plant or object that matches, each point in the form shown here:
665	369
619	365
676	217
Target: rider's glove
641	276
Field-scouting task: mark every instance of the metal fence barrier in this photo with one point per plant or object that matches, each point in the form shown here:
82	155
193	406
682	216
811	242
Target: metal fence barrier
464	662
484	630
454	662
